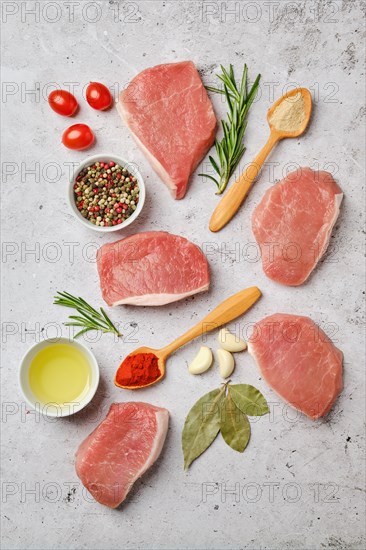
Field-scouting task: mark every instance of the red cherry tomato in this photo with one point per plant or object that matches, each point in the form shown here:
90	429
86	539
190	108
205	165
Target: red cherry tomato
78	136
62	102
98	96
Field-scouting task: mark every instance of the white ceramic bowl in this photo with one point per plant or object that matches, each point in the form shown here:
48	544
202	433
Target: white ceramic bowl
131	167
53	409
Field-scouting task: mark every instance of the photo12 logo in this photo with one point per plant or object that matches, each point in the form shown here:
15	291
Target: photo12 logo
252	253
273	492
53	492
271	11
23	332
38	92
51	252
70	11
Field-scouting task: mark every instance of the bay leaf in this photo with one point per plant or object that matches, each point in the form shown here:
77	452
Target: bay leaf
202	425
248	399
234	425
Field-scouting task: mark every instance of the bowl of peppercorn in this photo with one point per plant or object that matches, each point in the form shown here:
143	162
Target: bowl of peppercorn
106	192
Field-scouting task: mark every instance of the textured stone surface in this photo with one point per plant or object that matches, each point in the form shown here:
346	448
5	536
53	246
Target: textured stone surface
299	484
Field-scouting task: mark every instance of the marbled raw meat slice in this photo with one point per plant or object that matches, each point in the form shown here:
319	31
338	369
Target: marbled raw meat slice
170	115
124	445
293	223
298	361
151	269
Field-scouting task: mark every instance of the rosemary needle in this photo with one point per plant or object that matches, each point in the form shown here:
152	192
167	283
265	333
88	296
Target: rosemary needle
88	318
230	148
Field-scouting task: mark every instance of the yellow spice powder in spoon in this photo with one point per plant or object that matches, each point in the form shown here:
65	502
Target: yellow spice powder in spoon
290	114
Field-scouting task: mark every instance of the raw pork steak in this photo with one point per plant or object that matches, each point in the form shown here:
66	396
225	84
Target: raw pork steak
120	450
171	117
298	361
293	223
151	269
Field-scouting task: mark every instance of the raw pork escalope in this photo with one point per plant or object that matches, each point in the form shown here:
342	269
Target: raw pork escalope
298	361
170	115
293	222
151	269
120	450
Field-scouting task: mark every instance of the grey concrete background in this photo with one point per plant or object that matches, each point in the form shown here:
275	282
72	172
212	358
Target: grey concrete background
300	484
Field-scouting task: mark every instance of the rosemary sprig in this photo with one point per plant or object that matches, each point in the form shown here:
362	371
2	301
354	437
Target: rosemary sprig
230	148
88	317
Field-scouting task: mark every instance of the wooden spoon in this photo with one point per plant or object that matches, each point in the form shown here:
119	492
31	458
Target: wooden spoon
228	310
230	203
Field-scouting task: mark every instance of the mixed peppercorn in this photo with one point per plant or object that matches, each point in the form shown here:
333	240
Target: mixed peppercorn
106	194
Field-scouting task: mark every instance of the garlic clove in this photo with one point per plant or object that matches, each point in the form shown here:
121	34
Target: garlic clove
202	361
226	362
230	342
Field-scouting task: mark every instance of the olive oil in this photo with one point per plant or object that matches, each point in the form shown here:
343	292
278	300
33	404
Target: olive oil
60	374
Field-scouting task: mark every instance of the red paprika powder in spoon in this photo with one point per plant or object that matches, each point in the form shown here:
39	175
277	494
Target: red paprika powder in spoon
145	365
138	370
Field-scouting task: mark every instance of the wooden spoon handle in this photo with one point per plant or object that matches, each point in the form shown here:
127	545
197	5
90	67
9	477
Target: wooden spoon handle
231	201
228	310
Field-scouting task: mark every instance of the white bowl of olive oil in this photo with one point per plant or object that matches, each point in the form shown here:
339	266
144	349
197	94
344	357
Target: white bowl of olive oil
59	377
